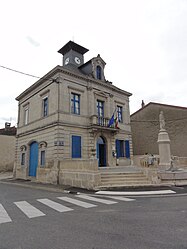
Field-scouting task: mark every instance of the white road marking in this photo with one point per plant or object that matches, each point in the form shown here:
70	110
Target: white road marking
29	210
77	202
120	198
4	217
96	199
54	205
155	192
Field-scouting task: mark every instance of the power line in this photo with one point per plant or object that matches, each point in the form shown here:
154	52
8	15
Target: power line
27	74
16	71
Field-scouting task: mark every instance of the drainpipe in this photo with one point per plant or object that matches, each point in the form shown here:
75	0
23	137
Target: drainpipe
57	164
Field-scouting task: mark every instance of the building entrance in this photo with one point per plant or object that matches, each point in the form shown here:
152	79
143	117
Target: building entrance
101	152
33	160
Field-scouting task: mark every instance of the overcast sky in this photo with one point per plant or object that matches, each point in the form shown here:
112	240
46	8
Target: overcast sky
143	42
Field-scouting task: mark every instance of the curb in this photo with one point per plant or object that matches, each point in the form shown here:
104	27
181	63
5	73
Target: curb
161	190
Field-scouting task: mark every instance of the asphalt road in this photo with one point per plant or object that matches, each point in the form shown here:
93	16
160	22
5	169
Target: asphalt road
32	219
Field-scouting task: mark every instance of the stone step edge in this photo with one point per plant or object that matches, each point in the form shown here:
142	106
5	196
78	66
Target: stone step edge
125	182
118	178
125	185
124	175
133	181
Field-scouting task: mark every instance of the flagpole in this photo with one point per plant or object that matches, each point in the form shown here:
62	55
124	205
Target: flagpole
111	121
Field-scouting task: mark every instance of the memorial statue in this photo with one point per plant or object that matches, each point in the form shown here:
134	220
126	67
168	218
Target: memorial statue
162	121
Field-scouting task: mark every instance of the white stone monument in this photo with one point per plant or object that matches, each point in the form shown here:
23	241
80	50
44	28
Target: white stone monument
163	144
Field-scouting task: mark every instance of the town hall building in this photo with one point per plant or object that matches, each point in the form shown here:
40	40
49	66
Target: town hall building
71	123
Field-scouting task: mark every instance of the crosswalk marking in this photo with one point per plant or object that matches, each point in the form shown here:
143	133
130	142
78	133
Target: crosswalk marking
4	217
120	198
86	197
154	192
28	209
54	205
77	202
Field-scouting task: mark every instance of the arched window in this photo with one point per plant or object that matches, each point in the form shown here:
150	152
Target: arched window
100	140
98	72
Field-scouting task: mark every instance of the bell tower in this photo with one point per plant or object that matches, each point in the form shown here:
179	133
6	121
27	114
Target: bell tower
73	53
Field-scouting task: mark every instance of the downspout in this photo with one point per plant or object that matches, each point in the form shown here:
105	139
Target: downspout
58	122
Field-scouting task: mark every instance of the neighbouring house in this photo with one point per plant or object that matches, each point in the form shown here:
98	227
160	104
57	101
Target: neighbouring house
71	122
7	147
145	128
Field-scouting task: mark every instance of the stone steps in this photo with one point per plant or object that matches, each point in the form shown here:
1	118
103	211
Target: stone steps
124	175
132	185
122	179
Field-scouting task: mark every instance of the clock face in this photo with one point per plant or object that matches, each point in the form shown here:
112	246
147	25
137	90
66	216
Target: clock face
77	60
66	60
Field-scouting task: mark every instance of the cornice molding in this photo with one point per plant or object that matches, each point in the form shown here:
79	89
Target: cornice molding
60	69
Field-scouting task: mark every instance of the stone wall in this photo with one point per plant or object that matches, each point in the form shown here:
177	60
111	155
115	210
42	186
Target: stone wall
80	173
145	128
183	161
7	152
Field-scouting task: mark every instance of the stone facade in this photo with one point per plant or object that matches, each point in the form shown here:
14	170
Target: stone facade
63	118
7	147
145	129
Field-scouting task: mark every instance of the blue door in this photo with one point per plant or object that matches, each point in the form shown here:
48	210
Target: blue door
33	162
101	152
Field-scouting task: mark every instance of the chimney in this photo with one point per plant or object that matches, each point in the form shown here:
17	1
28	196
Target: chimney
143	104
7	126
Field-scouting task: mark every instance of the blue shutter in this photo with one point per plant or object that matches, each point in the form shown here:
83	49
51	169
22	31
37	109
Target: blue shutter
76	147
127	149
121	148
117	148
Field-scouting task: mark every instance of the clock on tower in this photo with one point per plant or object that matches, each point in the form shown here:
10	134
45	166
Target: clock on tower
73	53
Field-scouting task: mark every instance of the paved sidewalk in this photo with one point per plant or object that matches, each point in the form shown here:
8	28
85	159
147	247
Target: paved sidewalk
6	175
7	178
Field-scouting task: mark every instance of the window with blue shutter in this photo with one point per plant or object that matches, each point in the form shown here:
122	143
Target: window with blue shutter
76	146
127	149
119	148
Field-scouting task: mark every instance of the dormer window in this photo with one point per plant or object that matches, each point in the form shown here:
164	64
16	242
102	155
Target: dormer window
98	72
